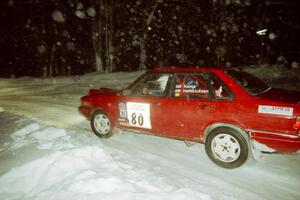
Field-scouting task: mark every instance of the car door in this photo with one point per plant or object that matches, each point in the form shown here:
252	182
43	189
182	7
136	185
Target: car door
195	98
141	108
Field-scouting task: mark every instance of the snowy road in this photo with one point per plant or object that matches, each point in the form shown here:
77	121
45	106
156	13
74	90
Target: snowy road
52	154
45	162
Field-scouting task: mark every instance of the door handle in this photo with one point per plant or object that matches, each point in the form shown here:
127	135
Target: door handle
203	106
157	103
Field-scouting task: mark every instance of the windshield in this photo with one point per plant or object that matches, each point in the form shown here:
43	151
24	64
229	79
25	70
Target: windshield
252	84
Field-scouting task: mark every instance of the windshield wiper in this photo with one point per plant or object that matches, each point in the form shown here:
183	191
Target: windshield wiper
264	91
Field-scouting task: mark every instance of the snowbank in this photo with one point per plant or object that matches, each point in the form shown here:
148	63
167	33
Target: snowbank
55	100
73	167
44	162
85	173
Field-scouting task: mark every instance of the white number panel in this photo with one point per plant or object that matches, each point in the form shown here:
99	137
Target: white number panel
275	110
139	114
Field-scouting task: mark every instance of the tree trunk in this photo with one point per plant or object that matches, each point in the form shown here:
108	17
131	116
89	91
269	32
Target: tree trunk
97	41
98	61
109	32
107	64
52	61
110	40
144	37
143	52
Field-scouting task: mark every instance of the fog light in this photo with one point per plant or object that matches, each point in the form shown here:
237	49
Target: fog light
297	123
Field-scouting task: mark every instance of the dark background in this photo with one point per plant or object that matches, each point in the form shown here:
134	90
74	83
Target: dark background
52	37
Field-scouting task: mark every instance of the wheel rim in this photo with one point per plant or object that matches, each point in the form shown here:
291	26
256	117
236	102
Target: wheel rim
226	148
102	124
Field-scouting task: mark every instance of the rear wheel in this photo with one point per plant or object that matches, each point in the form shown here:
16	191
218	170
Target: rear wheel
227	147
101	124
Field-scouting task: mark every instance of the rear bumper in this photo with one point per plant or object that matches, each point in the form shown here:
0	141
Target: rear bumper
276	142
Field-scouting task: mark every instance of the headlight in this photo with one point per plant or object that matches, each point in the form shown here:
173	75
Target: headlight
297	123
86	103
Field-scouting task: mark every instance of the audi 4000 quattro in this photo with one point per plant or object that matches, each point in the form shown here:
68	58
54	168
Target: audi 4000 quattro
232	112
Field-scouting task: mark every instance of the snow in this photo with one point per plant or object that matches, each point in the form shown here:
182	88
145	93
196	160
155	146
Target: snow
80	14
55	100
58	16
295	65
80	6
91	12
10	2
262	147
47	151
272	36
41	49
278	76
79	165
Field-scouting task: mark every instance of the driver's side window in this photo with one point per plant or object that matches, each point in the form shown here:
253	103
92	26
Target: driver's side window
153	85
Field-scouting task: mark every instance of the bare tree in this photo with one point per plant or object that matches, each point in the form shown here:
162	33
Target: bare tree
102	36
109	32
144	37
96	38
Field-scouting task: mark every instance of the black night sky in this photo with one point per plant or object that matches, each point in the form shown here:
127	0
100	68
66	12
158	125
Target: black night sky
70	37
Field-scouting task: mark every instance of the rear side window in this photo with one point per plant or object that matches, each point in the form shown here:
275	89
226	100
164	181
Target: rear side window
250	83
219	89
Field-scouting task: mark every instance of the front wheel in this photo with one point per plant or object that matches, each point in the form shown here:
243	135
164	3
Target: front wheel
101	124
227	147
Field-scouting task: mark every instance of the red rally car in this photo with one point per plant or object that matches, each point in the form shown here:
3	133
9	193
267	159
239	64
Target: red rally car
232	112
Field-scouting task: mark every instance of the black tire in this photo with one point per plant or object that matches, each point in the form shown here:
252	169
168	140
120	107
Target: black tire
227	147
101	124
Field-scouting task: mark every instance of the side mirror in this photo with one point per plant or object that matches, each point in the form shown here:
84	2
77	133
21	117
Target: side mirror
126	92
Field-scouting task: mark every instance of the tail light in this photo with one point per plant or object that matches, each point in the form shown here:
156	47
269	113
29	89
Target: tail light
297	123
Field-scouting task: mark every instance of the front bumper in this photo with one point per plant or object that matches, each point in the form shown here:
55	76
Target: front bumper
86	111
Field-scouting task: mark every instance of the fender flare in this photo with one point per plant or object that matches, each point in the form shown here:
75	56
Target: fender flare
211	127
252	152
93	110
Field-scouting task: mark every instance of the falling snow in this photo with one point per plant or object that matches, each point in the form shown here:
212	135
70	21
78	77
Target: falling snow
58	16
91	12
80	14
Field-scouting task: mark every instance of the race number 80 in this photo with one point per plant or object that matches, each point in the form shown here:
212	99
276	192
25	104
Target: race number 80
137	119
139	114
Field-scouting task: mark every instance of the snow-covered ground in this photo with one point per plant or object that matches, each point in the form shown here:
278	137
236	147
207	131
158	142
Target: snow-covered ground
47	151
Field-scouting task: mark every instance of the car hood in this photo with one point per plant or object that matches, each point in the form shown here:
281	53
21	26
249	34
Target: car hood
103	91
281	95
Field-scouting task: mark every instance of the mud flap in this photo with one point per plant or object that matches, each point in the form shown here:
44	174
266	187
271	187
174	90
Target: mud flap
189	143
256	154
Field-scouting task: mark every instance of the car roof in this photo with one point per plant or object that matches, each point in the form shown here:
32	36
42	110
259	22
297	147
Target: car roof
186	69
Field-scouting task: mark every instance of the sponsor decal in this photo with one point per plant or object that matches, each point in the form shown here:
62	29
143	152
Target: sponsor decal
275	110
122	110
123	122
190	89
